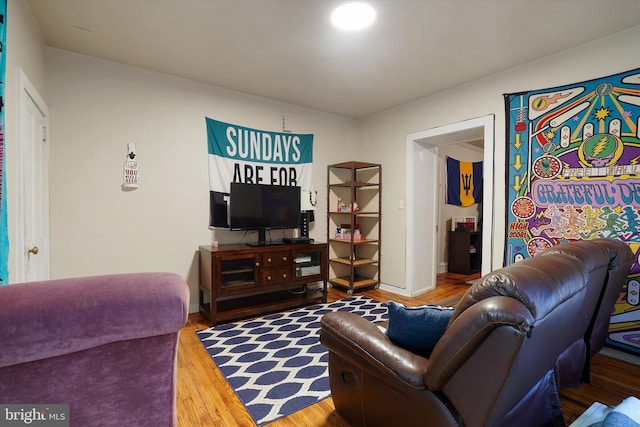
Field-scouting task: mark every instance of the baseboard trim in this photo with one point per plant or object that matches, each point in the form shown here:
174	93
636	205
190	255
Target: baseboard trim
620	355
443	267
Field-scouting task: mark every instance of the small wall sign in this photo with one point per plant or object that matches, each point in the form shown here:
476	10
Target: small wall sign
130	177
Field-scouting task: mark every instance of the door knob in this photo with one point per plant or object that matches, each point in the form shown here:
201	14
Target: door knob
34	250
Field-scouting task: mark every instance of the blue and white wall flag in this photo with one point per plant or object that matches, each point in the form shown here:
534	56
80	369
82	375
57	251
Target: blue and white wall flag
242	154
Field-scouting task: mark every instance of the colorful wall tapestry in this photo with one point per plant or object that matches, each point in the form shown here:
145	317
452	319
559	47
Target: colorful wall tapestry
245	155
464	182
4	231
573	173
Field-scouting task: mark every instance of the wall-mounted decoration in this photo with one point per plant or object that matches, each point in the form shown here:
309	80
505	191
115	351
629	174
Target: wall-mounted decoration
131	174
4	231
573	173
464	182
245	155
308	204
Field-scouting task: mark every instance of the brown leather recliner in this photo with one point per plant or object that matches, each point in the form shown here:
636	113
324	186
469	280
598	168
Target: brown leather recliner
569	372
494	365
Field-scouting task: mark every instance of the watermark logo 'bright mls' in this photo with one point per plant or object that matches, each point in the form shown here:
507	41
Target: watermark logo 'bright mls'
27	416
34	415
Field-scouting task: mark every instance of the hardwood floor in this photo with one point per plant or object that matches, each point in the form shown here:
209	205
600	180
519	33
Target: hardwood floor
205	399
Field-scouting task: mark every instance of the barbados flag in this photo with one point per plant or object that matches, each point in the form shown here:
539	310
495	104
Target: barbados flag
464	182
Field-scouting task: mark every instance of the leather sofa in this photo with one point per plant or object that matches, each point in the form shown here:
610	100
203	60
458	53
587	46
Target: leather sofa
104	345
570	372
496	363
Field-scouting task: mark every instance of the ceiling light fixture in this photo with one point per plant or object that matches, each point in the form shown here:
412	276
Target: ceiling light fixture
353	16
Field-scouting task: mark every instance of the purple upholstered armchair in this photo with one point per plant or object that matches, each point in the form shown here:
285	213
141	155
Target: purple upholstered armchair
104	345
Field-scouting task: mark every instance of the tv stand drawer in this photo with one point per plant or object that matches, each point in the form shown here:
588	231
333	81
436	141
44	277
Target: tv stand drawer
276	259
275	276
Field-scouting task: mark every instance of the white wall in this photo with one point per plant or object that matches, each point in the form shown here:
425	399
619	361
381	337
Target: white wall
96	108
25	49
386	132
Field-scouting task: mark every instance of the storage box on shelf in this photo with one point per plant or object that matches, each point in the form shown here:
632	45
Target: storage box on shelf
238	281
354	206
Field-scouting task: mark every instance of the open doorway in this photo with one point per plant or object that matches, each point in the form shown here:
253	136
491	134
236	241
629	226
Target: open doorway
450	214
423	233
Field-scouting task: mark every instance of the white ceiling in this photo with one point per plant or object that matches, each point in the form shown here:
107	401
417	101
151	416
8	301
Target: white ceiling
287	50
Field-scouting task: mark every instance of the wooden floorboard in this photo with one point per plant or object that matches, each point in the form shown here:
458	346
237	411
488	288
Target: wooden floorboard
204	397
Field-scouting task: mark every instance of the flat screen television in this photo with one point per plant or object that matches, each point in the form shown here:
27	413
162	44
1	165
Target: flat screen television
263	207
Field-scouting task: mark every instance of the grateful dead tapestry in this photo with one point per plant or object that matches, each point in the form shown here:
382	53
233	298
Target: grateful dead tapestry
573	173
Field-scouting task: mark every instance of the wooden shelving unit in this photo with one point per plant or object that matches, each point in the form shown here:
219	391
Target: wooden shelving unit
354	257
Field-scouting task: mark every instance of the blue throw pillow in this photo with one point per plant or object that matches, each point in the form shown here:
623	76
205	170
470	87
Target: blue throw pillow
417	329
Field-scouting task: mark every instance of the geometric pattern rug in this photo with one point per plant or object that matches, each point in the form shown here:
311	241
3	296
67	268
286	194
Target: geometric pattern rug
276	364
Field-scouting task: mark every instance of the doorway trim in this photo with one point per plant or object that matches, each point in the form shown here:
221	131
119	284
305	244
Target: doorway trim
422	167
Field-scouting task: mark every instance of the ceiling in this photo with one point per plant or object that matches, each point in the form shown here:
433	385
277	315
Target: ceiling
287	50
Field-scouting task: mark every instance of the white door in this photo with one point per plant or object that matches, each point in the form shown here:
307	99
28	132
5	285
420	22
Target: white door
32	237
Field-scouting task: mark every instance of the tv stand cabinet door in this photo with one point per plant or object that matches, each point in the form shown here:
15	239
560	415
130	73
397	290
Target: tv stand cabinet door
310	263
236	273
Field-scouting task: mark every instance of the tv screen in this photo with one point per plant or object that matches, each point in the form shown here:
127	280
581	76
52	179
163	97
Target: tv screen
263	207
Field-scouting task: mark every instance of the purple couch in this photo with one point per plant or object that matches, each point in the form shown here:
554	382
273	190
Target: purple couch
104	345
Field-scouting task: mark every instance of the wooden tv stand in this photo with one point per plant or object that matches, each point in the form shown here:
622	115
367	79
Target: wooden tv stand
238	281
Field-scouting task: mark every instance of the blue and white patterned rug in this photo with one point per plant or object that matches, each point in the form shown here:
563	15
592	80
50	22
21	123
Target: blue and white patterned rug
276	364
